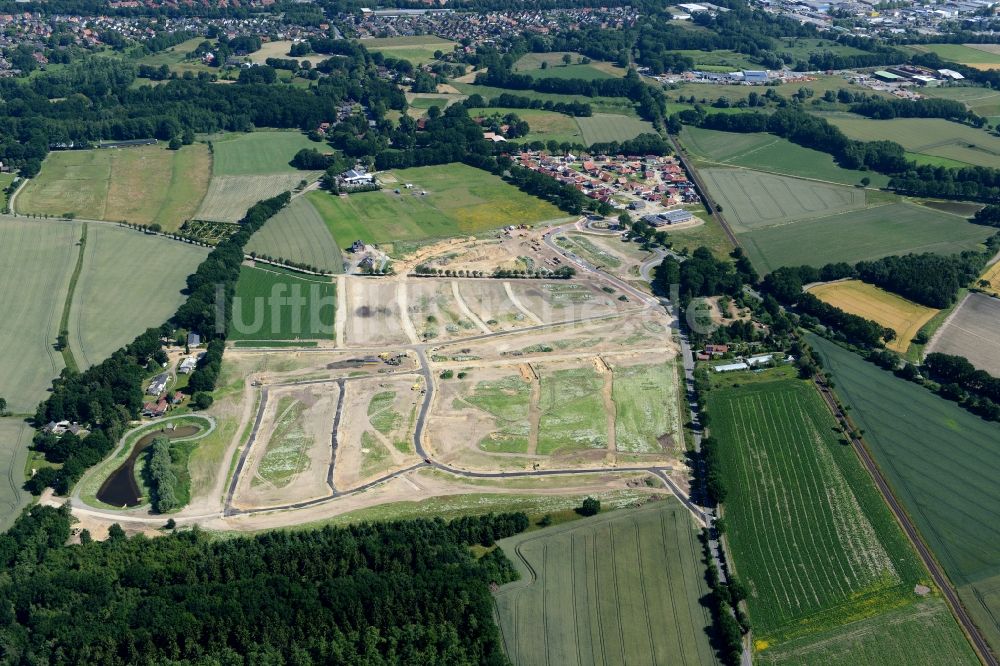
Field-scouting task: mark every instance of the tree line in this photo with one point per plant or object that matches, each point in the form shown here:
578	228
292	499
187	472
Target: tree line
374	593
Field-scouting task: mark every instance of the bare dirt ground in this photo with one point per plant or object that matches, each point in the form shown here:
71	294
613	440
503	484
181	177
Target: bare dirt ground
971	331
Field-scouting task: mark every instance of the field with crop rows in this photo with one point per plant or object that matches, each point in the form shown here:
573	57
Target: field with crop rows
619	588
973	55
15	438
972	331
646	416
507	401
298	233
460	200
754	199
286	449
229	197
923	633
940	460
37	257
607	127
905	317
129	282
895	228
983	101
766	152
809	535
931	136
141	185
257	296
572	411
258	153
982	600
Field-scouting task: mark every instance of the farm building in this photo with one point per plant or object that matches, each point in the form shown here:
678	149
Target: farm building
356	177
731	367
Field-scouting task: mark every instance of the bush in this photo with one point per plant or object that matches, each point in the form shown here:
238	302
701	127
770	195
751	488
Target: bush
202	400
590	507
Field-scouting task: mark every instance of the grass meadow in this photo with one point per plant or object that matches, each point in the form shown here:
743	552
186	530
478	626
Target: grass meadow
15	438
256	315
754	199
37	257
572	411
545	125
417	49
618	105
607	127
940	460
555	68
971	55
460	201
810	536
871	233
618	588
229	197
646	408
299	234
905	317
258	153
983	101
141	185
128	283
507	401
922	633
930	136
766	152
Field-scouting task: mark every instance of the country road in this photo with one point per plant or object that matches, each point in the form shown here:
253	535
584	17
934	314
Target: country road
980	645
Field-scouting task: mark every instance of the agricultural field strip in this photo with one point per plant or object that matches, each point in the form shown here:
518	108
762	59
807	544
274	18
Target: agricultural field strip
835	571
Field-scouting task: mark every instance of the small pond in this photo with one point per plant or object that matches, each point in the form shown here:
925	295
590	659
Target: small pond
121	488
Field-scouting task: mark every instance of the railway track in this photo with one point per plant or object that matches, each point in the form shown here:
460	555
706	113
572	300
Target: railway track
940	579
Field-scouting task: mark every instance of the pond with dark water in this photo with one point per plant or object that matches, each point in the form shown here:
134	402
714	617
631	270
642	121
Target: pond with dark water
121	488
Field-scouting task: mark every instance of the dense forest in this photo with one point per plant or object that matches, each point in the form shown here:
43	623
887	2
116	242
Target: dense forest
386	593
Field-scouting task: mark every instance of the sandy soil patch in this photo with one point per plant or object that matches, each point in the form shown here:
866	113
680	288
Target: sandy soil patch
373	314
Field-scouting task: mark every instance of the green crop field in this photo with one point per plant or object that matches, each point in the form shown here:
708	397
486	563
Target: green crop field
36	260
572	411
417	49
718	60
545	125
960	53
619	588
982	600
129	282
619	105
923	633
15	438
229	197
460	200
646	416
555	68
141	185
766	152
260	292
854	236
299	234
258	153
754	199
983	101
931	136
809	534
506	400
285	455
607	127
940	460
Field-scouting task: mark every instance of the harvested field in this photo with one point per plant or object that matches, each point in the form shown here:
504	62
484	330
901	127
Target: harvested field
922	633
258	153
905	317
872	233
229	197
38	258
275	49
129	282
910	431
141	185
459	201
992	279
299	234
753	199
646	409
263	308
930	136
972	331
809	535
619	588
